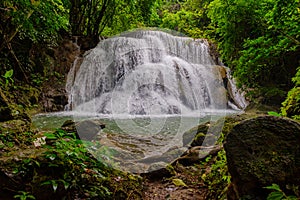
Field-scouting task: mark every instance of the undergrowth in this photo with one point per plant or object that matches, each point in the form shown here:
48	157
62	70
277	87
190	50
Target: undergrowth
63	168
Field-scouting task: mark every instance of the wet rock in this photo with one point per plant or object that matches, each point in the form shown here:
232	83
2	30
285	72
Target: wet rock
54	99
85	130
262	151
196	154
196	135
204	134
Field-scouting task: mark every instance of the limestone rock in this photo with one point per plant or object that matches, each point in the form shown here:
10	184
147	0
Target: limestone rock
262	151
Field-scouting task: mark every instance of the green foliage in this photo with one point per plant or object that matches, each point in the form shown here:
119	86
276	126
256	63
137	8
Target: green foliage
218	178
23	24
8	77
36	20
37	79
188	17
276	114
278	194
109	17
258	39
64	168
13	134
291	105
232	22
24	195
127	16
178	182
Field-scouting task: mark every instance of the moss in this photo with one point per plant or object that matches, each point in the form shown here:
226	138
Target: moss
291	106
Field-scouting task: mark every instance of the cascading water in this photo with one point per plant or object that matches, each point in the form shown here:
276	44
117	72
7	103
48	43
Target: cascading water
148	73
154	87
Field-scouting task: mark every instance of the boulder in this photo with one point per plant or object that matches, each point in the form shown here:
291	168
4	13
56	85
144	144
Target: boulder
262	151
196	135
85	130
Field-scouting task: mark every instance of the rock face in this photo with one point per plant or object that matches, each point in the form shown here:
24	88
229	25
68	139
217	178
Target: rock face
262	151
54	99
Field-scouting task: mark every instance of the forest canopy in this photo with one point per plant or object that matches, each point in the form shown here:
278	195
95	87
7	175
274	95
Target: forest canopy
258	40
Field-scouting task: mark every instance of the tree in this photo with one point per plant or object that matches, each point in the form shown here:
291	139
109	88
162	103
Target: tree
89	17
233	21
188	17
36	21
273	57
259	40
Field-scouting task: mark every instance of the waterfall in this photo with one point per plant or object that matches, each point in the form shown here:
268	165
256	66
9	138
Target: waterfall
151	72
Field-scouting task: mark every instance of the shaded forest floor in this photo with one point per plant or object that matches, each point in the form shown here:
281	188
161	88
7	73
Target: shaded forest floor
192	186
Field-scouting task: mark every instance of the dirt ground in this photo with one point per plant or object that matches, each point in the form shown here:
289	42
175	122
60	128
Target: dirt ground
192	188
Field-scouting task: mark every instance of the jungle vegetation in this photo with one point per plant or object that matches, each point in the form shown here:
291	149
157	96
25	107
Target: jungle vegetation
257	40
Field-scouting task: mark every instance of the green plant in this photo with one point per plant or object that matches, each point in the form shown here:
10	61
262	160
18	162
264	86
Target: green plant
8	77
218	177
24	195
291	105
81	169
278	194
37	79
276	114
54	184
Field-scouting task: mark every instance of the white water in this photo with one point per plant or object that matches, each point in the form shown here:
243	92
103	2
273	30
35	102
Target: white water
147	73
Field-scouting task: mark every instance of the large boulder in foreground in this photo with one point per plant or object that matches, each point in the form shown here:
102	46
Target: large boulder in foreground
262	151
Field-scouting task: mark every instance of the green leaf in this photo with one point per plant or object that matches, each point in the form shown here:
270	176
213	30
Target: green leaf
54	185
272	113
8	74
46	183
292	198
178	182
275	196
66	184
274	187
50	136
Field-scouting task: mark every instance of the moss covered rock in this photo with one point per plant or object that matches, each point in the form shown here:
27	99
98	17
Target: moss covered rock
262	151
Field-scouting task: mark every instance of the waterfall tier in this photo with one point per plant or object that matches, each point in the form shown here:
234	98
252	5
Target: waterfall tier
151	73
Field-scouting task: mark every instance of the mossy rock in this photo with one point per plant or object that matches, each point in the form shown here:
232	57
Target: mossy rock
196	135
262	151
211	131
291	106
